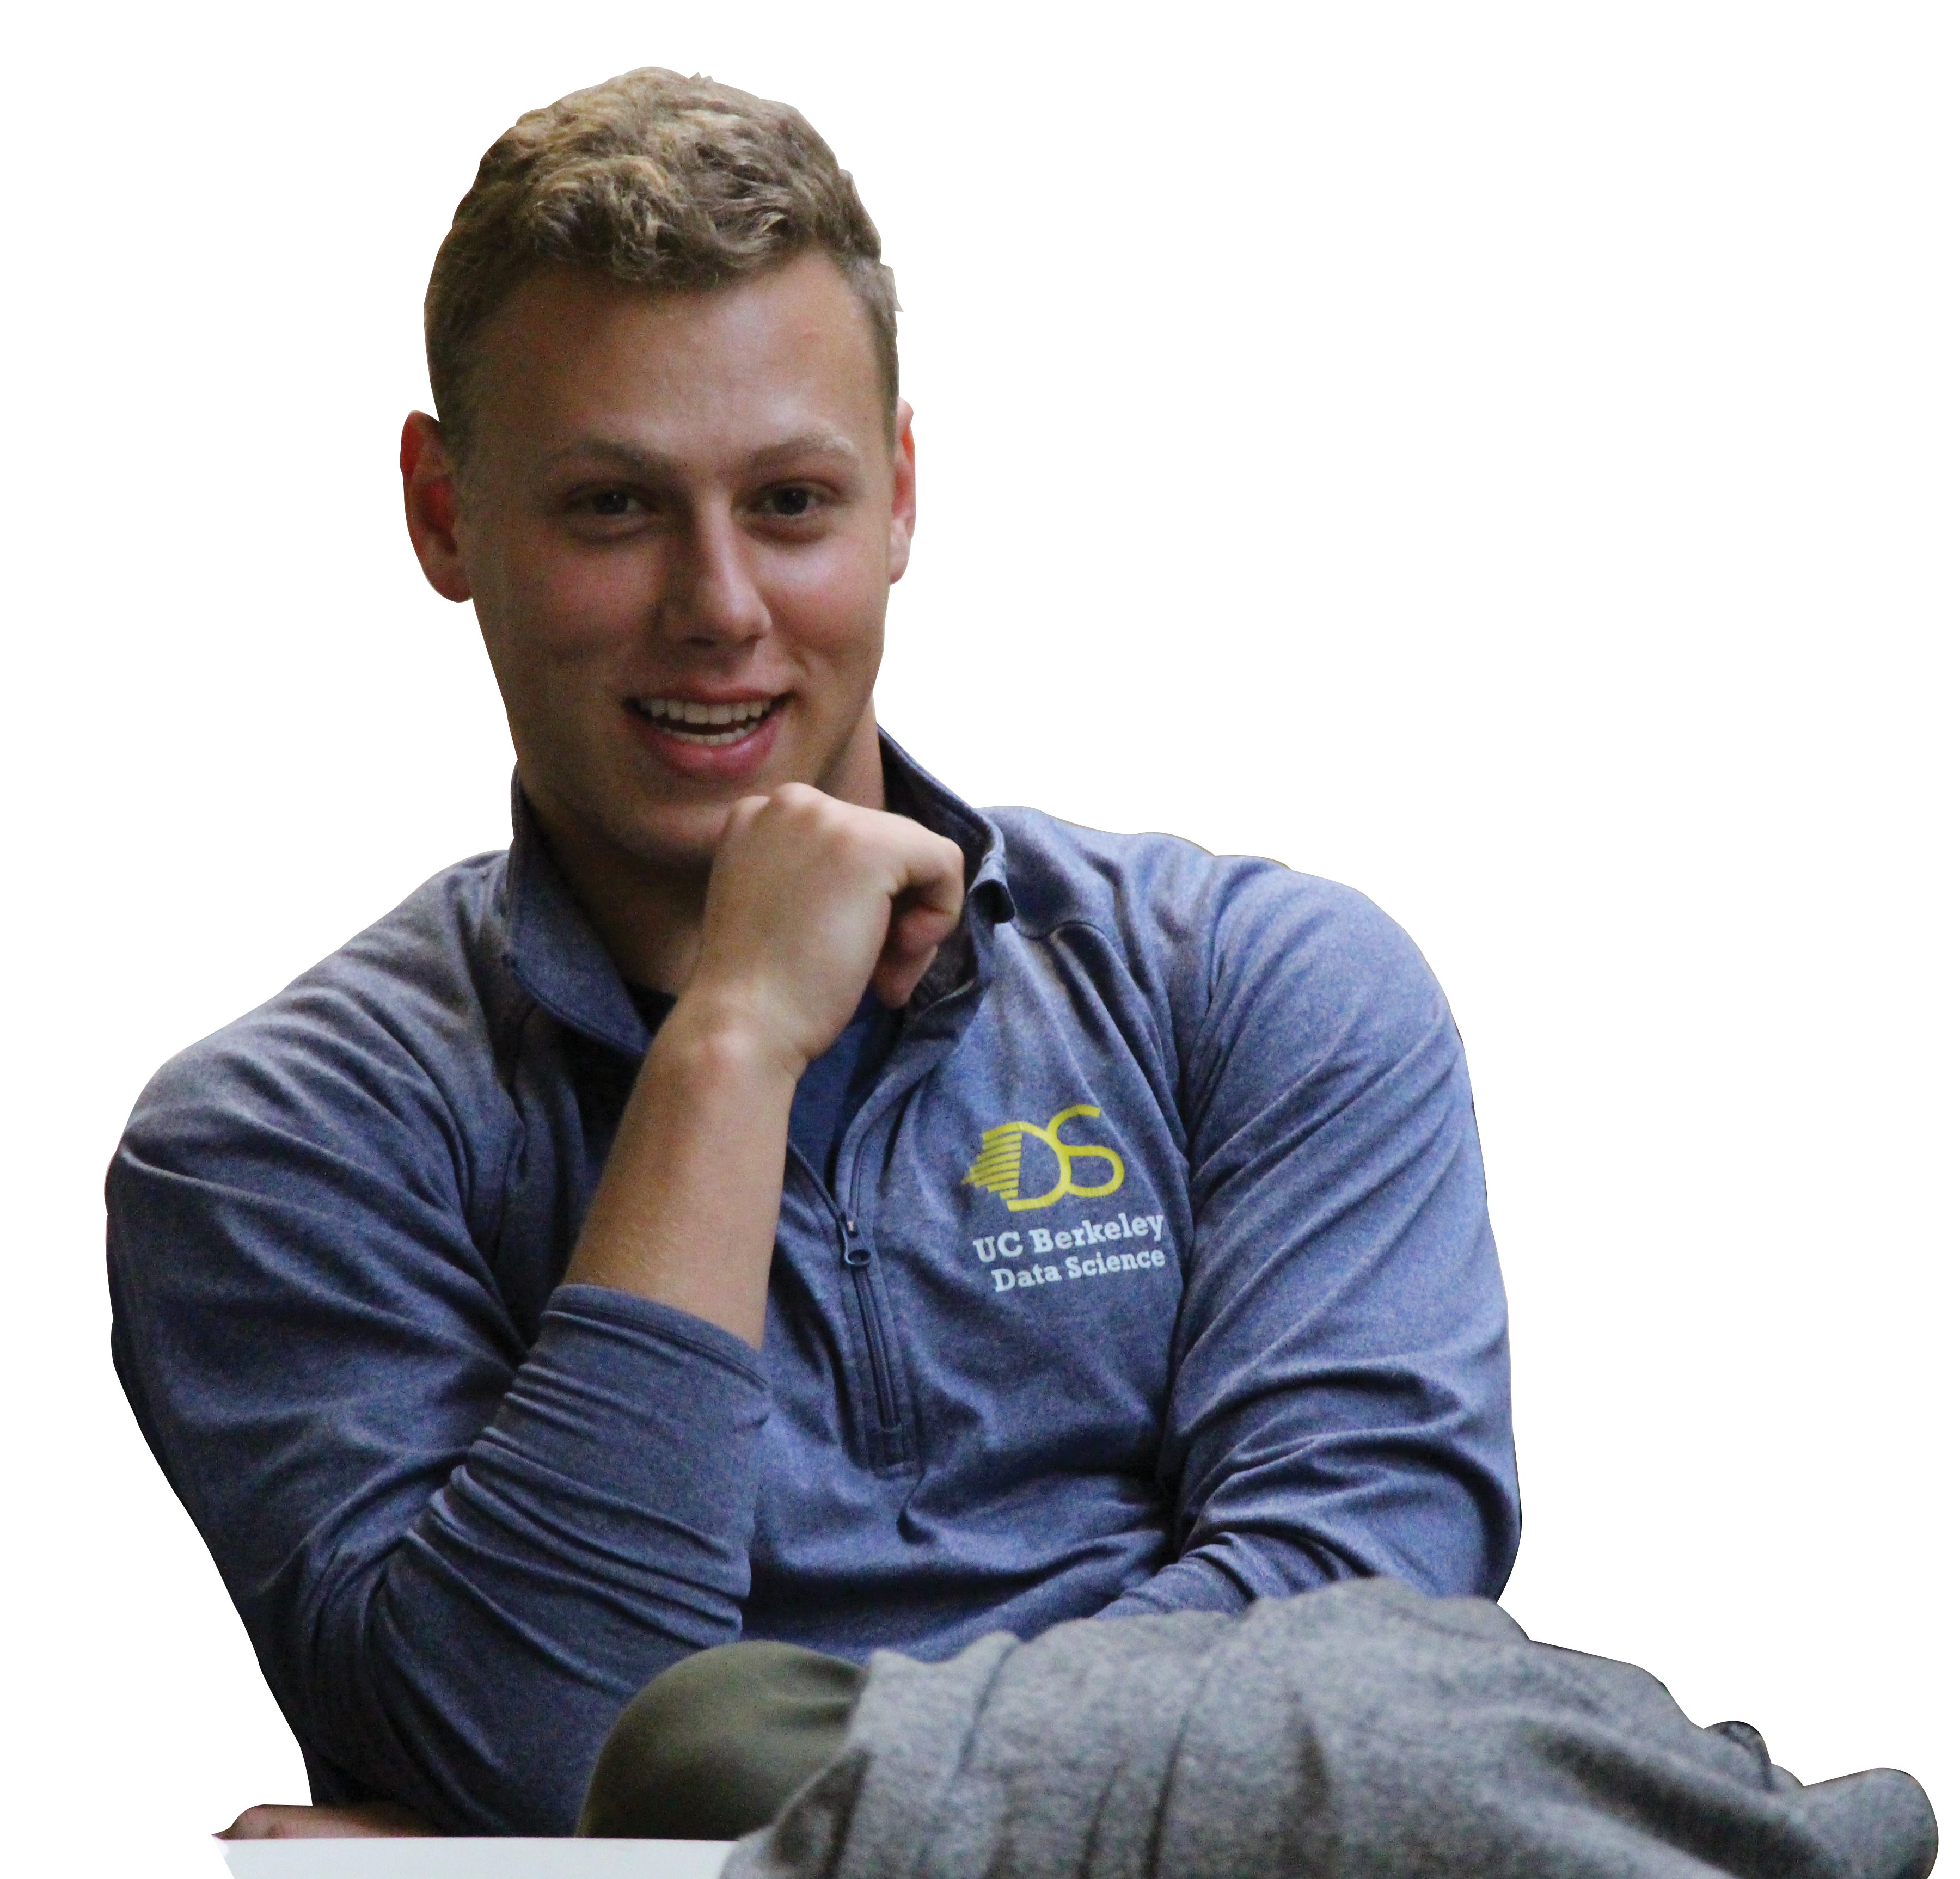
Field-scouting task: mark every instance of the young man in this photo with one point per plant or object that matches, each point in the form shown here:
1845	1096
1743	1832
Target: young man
775	1199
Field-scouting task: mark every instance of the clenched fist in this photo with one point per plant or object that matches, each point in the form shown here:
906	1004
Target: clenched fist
811	901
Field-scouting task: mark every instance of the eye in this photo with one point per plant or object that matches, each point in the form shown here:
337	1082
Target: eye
610	502
789	502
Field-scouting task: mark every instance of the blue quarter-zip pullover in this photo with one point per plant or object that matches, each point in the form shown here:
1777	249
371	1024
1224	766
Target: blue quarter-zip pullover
1154	1273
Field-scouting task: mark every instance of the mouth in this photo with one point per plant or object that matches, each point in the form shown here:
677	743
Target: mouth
707	725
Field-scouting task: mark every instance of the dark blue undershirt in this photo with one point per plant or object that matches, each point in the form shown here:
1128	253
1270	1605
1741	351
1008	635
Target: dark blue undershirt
833	1089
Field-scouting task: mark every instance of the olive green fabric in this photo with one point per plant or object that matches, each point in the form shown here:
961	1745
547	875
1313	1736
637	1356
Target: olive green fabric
714	1745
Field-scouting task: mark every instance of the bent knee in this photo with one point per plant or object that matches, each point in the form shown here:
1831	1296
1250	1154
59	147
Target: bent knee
715	1744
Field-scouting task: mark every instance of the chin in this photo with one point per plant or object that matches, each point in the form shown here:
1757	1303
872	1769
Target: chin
677	838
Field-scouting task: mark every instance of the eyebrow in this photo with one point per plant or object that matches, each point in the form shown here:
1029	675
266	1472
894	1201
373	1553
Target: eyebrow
653	464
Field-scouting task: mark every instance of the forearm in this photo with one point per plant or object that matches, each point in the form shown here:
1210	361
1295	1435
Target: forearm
596	1531
685	1212
1206	1580
811	901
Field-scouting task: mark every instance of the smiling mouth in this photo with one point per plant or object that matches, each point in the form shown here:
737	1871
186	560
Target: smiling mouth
706	724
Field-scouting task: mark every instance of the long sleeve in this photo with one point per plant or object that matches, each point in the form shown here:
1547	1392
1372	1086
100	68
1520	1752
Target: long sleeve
1340	1400
456	1557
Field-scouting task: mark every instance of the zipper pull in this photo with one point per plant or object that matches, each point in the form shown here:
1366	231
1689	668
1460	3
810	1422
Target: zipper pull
856	1253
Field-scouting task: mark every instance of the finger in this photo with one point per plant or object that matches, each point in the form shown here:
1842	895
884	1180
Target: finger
912	943
933	876
743	812
925	910
915	933
896	979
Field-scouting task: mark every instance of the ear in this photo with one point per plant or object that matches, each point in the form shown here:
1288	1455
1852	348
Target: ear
904	489
428	500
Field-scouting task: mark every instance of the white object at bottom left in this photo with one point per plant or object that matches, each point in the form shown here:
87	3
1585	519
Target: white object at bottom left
423	1858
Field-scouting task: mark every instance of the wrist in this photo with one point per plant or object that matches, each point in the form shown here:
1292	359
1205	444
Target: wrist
713	1036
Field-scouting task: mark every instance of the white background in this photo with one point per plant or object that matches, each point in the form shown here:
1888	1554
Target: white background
1501	456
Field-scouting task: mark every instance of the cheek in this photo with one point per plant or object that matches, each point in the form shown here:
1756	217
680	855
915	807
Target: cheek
831	601
560	607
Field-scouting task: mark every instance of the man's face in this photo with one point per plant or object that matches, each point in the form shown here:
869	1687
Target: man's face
679	521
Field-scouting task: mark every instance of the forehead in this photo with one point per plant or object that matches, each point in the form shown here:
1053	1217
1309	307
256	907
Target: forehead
572	354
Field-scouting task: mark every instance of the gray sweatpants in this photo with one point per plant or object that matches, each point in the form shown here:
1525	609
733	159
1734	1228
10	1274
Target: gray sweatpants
1359	1732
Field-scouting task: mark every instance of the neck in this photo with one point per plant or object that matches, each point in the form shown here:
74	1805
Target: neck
648	917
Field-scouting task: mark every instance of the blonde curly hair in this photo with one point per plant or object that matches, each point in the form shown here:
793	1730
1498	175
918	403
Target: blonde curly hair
671	183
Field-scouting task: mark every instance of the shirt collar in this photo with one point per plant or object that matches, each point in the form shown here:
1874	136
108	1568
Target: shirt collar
556	955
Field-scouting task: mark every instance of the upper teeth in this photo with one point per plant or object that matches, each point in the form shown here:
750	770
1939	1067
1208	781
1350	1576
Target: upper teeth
687	711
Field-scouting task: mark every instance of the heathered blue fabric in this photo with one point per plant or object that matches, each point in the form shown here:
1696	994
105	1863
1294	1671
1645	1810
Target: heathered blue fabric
466	1511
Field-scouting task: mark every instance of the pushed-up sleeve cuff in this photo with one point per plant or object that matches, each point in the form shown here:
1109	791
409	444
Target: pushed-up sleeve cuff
632	1430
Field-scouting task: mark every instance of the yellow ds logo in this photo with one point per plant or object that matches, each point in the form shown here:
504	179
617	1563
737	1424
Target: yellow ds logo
998	1166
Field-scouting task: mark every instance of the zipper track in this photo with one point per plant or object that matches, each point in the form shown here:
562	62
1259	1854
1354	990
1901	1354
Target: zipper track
874	1340
888	1434
890	1447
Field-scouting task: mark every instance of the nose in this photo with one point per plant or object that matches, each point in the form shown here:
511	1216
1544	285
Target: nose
710	597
